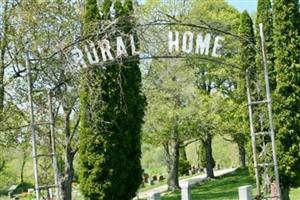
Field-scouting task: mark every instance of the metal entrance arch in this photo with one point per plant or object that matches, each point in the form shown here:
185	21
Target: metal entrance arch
264	168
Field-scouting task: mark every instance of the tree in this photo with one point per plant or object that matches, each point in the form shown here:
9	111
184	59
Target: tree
3	46
169	89
3	49
265	16
247	57
287	99
51	72
212	77
202	122
247	51
235	122
92	15
9	47
112	110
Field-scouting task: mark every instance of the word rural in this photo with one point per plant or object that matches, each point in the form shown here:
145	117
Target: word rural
90	51
195	44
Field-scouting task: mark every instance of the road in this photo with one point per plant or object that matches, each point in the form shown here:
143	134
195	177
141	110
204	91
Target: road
192	181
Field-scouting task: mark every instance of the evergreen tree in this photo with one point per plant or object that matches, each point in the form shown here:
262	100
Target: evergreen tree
265	16
247	61
91	16
106	8
287	98
112	110
247	53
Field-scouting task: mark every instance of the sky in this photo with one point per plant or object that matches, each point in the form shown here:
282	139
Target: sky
241	5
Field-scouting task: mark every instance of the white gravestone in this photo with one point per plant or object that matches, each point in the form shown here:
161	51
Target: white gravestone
245	192
154	195
185	191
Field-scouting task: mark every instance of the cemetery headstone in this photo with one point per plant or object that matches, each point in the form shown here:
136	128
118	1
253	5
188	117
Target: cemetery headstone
161	178
154	195
245	192
185	191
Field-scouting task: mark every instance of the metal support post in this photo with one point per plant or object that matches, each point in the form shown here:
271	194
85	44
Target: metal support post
54	158
32	126
269	99
253	139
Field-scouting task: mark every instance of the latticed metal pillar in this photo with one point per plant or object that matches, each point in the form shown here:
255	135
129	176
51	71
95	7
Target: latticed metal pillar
262	131
33	125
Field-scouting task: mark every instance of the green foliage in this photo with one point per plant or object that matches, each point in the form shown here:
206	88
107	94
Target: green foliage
106	8
184	165
247	57
169	89
118	8
230	119
153	159
247	51
91	15
91	11
287	98
23	187
112	110
128	6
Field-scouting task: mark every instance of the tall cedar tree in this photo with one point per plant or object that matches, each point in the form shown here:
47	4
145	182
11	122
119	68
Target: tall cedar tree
265	16
287	94
247	55
112	110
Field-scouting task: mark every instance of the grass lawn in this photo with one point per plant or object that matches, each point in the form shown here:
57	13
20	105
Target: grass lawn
295	194
224	188
221	188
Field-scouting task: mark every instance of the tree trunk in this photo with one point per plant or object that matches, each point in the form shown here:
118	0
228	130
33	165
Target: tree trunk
172	157
285	193
2	164
3	46
1	88
209	157
2	83
167	155
242	154
66	181
23	165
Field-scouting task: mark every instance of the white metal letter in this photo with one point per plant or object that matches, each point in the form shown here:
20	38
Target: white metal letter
133	47
202	45
187	42
105	50
93	59
77	57
217	46
172	42
121	49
